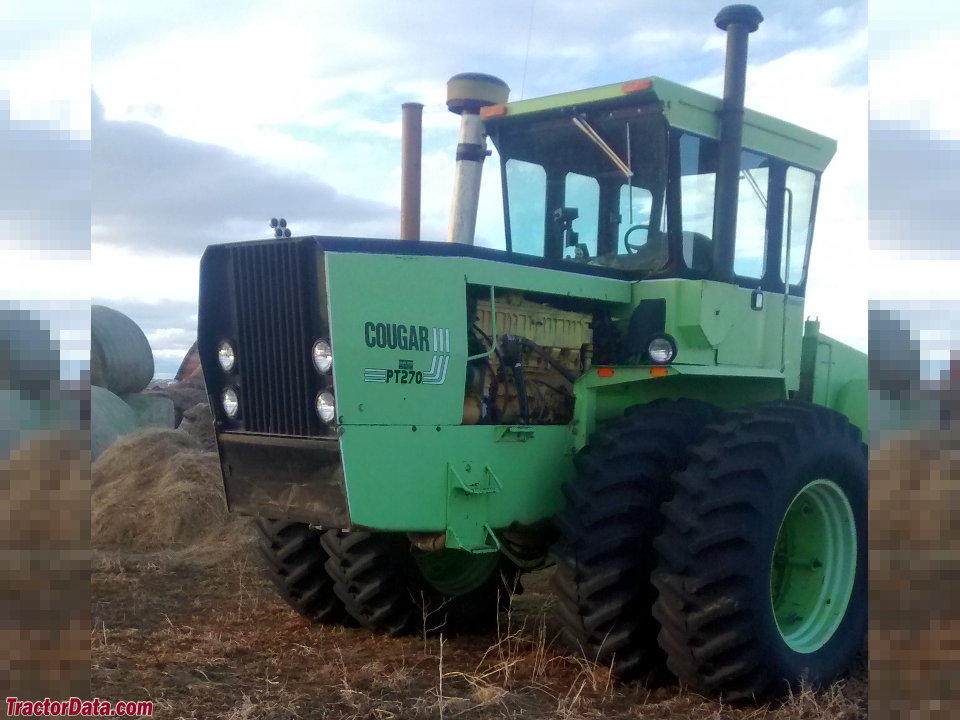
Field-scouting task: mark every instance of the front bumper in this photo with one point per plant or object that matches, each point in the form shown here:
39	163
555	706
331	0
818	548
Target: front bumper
285	478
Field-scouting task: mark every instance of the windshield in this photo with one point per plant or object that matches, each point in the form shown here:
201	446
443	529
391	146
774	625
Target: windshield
587	187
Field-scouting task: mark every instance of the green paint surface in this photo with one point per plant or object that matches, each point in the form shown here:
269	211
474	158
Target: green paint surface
409	463
431	478
697	112
813	566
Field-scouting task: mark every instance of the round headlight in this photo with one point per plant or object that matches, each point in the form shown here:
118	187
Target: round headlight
231	406
226	356
322	356
326	408
661	350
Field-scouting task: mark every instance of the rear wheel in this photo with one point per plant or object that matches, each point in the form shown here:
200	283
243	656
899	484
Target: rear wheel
395	590
762	576
294	560
605	551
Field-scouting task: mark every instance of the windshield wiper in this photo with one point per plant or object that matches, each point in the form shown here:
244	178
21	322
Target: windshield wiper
756	188
584	126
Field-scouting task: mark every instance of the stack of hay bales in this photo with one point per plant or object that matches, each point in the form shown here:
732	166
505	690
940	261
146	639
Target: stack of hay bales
155	488
121	366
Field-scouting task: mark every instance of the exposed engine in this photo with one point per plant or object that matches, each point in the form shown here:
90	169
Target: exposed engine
528	379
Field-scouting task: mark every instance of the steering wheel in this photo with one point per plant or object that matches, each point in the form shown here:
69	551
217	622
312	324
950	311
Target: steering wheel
631	248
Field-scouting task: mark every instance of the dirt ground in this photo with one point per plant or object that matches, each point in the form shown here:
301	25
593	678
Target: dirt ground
214	641
195	628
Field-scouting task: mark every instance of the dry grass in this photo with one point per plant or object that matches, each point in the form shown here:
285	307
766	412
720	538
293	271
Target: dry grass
183	617
216	642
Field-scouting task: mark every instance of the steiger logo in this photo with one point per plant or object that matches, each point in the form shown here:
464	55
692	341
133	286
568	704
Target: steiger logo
411	338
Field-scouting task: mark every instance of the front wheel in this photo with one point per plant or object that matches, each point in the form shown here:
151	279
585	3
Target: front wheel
393	589
294	562
763	557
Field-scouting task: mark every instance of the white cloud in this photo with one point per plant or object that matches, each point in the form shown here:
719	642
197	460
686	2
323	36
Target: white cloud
117	272
316	88
833	18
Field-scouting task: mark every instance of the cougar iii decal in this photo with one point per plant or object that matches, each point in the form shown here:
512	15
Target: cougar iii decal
409	337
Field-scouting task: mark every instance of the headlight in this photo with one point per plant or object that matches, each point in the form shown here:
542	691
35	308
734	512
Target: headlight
231	406
662	349
326	408
226	356
322	356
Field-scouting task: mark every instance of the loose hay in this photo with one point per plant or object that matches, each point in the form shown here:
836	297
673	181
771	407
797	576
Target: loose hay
198	423
157	490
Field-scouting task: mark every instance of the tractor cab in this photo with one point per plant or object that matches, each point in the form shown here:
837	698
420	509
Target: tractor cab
625	177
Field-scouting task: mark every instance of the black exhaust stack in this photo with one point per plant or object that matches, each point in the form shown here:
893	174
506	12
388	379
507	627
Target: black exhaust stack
738	21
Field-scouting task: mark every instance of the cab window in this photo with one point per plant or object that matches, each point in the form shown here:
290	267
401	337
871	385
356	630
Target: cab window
698	183
527	203
797	222
636	205
751	242
582	193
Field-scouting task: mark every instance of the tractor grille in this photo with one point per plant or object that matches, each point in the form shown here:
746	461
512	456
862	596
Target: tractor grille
273	293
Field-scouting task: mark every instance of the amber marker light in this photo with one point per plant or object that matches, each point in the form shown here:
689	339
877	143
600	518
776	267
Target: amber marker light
659	372
635	86
605	372
493	111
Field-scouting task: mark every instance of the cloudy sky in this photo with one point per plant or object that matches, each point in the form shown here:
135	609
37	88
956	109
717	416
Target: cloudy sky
208	123
209	118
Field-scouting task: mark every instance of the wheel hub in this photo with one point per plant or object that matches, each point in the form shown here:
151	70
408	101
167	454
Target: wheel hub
813	566
455	572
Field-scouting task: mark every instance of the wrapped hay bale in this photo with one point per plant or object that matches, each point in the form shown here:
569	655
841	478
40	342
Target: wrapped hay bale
157	490
184	395
120	356
152	410
110	417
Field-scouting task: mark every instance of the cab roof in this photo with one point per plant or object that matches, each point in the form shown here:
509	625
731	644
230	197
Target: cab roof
684	108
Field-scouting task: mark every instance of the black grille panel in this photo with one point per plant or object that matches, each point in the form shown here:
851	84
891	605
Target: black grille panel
274	338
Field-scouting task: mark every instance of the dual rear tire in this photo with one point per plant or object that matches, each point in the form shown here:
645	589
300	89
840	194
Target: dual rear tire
752	576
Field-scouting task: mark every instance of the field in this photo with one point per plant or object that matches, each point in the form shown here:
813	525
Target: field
183	617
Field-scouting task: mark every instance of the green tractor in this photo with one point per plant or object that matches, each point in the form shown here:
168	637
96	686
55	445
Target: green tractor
628	390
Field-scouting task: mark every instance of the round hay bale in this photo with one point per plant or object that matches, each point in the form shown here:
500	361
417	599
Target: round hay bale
152	410
183	394
120	356
110	417
198	424
156	490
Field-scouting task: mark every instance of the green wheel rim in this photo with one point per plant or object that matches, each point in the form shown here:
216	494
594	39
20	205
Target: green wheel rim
456	572
813	566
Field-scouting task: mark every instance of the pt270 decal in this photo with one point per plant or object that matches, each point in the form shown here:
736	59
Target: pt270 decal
413	338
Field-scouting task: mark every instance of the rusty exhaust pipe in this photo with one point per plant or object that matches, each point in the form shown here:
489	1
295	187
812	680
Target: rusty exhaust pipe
411	154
